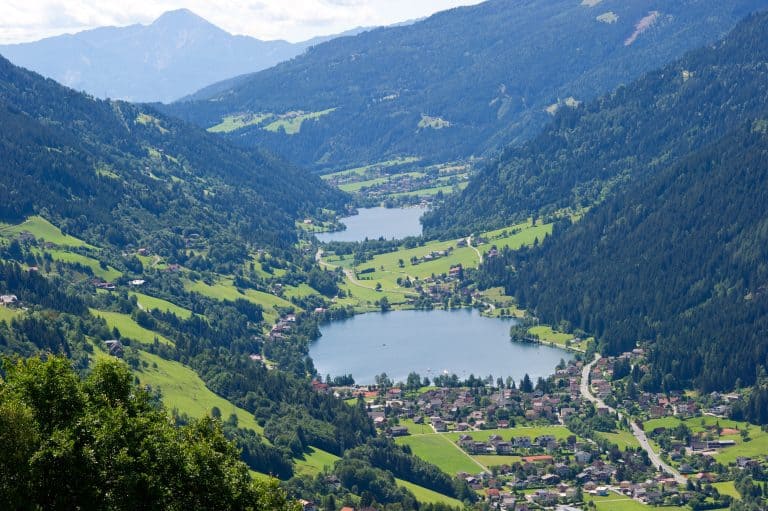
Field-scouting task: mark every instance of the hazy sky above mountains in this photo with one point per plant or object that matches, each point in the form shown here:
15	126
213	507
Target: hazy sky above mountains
294	20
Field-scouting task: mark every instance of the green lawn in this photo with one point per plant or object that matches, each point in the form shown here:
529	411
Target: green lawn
129	328
184	390
438	450
559	432
151	303
416	429
493	460
545	333
315	461
727	488
41	228
7	314
615	502
428	496
299	291
623	439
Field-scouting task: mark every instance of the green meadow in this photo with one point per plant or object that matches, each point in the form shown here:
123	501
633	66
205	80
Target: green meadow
291	123
439	450
428	496
149	303
41	228
224	289
129	328
107	274
184	390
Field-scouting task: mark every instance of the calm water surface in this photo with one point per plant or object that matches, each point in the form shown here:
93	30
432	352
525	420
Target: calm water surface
430	343
372	223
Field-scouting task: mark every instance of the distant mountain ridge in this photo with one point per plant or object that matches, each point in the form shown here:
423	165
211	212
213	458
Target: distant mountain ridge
174	56
462	82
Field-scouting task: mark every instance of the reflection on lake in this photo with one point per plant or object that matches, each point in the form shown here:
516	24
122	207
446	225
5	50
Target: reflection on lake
428	342
372	223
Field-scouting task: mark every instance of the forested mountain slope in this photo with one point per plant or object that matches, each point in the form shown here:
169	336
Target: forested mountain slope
124	174
175	55
628	134
674	254
677	259
461	82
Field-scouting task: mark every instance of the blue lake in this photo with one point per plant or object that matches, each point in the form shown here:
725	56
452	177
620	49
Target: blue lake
430	343
373	223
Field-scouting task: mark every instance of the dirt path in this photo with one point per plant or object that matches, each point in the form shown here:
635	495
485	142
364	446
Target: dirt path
350	274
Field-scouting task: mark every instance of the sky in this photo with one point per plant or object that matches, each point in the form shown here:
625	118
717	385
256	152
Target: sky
293	20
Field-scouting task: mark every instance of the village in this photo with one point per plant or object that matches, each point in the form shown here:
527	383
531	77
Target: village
547	445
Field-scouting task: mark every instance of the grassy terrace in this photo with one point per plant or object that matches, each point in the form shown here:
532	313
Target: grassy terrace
129	328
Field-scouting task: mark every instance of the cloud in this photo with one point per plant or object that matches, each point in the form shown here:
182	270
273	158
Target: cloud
294	20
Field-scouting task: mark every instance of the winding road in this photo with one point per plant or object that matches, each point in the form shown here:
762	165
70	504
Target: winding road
637	431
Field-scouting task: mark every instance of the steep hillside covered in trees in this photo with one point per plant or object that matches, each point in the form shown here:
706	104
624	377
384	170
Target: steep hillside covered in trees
126	174
629	134
672	251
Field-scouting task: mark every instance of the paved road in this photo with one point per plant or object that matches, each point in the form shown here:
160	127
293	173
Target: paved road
637	431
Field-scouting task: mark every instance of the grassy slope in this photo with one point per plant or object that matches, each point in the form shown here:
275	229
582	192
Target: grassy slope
428	496
108	274
437	449
41	228
317	460
151	303
225	290
183	389
7	314
129	328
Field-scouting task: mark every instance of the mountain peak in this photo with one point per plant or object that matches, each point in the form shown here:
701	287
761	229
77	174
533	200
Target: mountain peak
180	17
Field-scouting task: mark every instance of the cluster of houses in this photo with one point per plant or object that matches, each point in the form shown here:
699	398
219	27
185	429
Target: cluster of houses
283	327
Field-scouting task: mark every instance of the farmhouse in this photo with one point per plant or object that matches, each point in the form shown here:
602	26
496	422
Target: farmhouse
6	300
